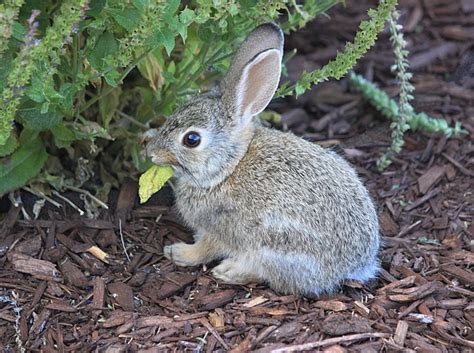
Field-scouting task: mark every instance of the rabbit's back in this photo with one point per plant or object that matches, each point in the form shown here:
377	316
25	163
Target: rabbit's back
293	192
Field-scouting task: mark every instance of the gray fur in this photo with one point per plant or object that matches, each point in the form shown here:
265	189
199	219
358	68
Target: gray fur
276	208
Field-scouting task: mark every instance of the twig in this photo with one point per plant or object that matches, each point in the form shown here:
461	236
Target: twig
69	202
132	120
407	229
330	341
88	194
458	165
42	196
122	240
215	333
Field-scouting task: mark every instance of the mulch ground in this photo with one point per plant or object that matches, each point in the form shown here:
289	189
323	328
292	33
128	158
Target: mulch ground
56	295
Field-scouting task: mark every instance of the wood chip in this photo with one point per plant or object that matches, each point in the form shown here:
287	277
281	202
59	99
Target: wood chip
58	305
405	282
430	178
338	325
122	294
401	333
157	320
216	320
425	58
461	274
99	253
415	293
173	283
422	200
332	305
73	275
40	269
218	299
361	308
255	301
126	200
117	318
98	294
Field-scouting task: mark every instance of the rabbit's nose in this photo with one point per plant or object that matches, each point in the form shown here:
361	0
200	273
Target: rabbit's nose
162	157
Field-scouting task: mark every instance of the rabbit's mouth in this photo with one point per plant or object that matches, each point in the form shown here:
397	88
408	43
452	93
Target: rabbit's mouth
163	157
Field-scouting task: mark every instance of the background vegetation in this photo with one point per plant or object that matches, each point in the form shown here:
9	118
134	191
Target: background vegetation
81	80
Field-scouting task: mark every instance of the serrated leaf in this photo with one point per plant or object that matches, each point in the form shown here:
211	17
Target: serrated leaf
186	16
153	180
25	163
127	18
106	46
163	37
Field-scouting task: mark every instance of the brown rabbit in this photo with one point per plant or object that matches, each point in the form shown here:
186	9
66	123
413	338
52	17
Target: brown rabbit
274	207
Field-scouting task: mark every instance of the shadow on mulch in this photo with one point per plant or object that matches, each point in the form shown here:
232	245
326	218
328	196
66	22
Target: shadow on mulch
59	291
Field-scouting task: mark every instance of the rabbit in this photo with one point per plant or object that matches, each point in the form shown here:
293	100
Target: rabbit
275	208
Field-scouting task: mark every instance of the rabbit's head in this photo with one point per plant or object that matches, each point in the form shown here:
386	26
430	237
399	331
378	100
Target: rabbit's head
204	139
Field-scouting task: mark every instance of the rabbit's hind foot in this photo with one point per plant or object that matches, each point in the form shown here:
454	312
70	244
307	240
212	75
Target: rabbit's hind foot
183	254
234	271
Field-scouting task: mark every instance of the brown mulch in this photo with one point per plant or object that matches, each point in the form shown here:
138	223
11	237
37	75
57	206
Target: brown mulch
68	283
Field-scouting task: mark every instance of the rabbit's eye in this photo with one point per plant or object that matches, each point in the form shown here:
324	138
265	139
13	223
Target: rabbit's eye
192	139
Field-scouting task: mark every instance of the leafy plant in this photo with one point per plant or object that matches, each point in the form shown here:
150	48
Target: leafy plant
81	80
402	113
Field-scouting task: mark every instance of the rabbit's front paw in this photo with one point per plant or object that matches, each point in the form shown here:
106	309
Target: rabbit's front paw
231	271
183	254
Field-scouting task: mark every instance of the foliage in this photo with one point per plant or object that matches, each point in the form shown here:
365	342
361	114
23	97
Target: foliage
389	108
81	80
402	114
153	180
400	124
345	61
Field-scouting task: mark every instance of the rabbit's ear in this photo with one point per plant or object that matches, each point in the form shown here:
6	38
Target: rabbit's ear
254	73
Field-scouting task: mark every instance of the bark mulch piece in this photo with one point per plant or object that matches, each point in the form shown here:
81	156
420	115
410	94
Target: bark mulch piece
72	284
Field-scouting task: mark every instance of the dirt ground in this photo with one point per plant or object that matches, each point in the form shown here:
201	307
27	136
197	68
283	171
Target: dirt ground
57	296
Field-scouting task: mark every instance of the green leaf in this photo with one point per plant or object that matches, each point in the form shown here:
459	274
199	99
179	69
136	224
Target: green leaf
95	7
153	180
106	46
112	77
30	115
186	16
24	164
18	31
63	137
127	18
141	4
10	146
163	37
108	105
172	7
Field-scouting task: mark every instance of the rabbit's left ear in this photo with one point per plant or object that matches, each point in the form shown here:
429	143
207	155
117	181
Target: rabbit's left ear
254	73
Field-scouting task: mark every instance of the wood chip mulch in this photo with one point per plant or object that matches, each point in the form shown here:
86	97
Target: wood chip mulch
72	284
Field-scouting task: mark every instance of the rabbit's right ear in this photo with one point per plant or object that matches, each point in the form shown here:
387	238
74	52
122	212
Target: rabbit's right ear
254	74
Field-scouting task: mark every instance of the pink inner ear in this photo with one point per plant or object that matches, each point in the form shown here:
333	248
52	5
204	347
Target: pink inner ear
260	81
